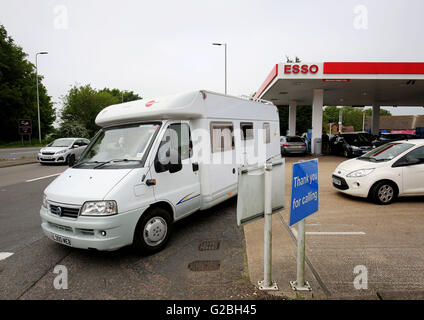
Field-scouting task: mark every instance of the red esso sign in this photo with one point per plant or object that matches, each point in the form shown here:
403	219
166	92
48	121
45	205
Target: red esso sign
297	68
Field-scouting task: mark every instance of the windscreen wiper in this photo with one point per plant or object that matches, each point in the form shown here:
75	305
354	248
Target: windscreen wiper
110	161
85	162
368	158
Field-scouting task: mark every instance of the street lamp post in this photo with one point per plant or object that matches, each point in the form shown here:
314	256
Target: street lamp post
38	95
225	46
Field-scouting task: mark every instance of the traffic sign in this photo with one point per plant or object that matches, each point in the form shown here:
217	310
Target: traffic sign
304	196
25	126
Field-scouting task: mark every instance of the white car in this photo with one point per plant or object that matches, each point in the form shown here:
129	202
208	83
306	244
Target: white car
63	150
391	170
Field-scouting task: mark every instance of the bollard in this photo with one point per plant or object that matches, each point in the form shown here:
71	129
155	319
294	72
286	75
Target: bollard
300	284
267	283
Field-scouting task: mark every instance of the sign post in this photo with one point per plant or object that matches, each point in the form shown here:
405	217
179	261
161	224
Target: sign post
261	191
304	202
267	283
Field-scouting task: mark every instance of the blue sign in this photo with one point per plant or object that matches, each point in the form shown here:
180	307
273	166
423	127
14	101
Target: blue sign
304	195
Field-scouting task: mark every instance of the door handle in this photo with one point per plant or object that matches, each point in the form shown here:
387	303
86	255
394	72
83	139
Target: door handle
195	166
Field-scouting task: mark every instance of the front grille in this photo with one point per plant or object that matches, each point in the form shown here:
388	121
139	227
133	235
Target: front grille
48	153
60	227
343	185
87	232
42	159
64	211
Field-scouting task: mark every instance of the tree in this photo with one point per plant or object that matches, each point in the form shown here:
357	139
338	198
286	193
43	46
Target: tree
83	103
351	116
123	96
303	119
72	129
18	92
383	112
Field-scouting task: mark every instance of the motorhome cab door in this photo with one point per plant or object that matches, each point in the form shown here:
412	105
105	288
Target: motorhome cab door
178	183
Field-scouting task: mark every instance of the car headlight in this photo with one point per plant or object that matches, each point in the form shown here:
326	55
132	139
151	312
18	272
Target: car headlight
99	208
45	203
360	173
61	151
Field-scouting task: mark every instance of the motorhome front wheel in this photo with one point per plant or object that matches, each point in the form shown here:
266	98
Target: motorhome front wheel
153	230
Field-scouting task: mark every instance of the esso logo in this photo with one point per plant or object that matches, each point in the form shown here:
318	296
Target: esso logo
150	103
304	68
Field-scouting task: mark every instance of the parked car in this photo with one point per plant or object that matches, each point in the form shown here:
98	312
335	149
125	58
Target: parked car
391	137
292	145
352	144
63	150
392	170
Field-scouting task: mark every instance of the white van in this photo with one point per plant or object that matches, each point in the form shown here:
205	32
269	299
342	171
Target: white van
156	161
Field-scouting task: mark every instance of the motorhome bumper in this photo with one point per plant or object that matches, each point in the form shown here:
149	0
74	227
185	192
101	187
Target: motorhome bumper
101	233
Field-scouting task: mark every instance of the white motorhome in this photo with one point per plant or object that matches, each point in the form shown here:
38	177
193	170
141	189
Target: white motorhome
156	161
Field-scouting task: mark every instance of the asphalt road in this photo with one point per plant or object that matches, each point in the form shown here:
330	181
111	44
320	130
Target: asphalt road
18	153
123	274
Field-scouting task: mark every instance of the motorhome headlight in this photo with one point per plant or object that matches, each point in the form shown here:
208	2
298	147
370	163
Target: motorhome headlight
45	203
99	208
360	173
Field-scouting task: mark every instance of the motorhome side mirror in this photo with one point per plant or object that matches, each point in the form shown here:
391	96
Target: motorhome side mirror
175	167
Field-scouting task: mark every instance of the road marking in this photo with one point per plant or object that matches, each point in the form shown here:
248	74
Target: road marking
5	255
336	233
45	177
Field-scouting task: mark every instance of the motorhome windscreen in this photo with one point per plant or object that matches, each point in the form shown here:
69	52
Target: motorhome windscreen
124	146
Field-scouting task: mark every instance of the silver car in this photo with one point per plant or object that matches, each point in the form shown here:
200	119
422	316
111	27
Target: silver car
292	145
63	150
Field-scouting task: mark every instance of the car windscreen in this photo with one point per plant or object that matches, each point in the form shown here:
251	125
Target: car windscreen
357	139
294	139
386	152
62	143
123	146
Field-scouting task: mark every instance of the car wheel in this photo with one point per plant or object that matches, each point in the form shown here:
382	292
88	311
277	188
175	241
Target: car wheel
346	153
384	193
153	231
70	159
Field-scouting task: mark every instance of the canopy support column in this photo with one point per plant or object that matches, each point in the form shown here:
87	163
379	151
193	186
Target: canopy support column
317	105
292	118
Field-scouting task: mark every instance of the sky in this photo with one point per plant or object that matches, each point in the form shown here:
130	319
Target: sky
158	48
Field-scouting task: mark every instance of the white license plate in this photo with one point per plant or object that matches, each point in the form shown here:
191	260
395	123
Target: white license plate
46	157
61	239
337	181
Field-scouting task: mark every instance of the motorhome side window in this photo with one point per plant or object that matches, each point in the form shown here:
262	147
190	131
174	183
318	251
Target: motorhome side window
175	146
222	137
267	132
246	130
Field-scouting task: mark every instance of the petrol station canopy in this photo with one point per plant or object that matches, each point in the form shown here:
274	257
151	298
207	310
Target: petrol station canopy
346	83
321	84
